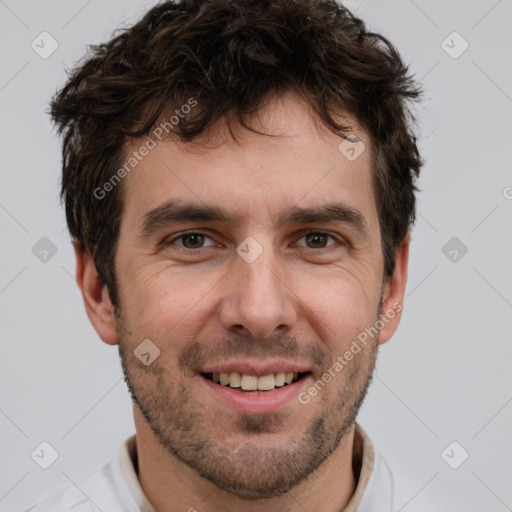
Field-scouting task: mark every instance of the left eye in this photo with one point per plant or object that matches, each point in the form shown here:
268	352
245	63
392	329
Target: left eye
192	240
317	240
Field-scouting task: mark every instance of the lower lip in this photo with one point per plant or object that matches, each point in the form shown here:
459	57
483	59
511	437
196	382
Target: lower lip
266	402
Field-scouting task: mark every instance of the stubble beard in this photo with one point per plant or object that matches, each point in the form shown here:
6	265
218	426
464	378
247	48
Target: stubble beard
268	462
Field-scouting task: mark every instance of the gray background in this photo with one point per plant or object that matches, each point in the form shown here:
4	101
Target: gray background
444	377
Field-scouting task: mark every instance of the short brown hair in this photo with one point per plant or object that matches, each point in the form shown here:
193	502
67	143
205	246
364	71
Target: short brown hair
231	55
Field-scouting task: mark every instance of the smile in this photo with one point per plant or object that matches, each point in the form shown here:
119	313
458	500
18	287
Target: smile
253	383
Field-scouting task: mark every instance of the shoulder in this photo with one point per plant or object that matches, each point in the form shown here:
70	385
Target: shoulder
106	489
63	501
380	489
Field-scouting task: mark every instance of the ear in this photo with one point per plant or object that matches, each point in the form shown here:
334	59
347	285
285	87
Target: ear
96	299
393	293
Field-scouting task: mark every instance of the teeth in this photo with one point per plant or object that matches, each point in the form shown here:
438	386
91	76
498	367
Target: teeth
280	379
266	382
253	382
249	382
235	379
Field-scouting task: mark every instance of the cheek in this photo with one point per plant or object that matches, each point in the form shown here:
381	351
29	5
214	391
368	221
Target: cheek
338	307
176	307
354	311
149	303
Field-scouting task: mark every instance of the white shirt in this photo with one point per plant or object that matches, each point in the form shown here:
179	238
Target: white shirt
116	488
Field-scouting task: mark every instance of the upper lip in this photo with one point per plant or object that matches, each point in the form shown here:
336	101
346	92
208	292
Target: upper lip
255	368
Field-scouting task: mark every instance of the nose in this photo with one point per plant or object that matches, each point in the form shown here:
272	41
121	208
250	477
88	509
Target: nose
257	300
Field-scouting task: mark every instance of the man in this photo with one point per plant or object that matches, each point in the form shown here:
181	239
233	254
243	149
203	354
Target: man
239	182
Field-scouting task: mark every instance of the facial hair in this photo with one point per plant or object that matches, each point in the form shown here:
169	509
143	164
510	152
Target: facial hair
268	461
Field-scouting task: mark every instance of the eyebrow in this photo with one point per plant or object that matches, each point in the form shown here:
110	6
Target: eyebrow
331	212
176	211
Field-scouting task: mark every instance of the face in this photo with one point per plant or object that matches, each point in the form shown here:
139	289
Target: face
243	261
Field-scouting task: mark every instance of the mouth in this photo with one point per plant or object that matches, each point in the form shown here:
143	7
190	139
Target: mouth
256	387
255	384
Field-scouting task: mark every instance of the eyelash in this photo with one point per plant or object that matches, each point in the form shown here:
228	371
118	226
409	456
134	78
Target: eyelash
311	232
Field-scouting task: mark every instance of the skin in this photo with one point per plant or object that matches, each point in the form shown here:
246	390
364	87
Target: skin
298	301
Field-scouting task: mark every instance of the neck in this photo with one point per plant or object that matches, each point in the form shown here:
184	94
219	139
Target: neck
171	485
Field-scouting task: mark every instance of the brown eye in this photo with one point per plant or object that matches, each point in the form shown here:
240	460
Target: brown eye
318	240
192	240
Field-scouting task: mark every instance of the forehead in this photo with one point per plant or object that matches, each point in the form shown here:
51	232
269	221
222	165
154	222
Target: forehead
297	161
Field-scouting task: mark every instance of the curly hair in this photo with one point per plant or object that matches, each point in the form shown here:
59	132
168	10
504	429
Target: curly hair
231	55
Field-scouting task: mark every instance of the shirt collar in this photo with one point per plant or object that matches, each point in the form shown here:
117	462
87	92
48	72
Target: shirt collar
363	460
